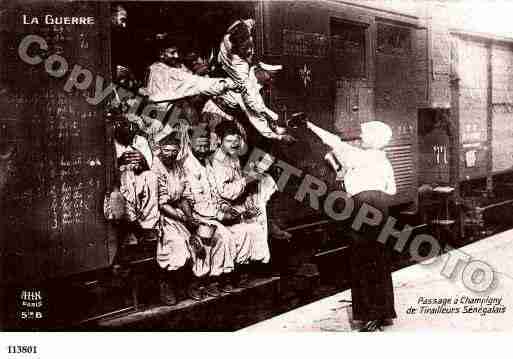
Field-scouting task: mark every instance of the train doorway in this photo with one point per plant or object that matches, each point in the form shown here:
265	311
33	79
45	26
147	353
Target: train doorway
194	27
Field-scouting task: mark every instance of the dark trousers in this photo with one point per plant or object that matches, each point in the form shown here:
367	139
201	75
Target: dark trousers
372	290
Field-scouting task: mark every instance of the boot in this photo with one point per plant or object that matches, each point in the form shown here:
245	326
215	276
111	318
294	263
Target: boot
183	278
242	278
167	288
211	288
193	290
226	283
167	293
372	326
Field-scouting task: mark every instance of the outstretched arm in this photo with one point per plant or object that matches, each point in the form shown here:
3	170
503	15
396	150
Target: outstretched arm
259	121
347	154
169	84
326	137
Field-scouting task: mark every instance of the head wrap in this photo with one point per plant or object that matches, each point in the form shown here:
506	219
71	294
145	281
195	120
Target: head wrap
179	133
376	134
173	138
269	68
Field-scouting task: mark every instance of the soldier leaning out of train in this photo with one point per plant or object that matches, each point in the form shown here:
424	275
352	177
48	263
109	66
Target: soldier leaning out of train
235	57
231	106
369	179
246	192
170	84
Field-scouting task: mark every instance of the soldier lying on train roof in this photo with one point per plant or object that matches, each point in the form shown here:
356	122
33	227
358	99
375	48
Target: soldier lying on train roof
369	180
247	193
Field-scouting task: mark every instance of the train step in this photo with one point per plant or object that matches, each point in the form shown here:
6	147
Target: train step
210	313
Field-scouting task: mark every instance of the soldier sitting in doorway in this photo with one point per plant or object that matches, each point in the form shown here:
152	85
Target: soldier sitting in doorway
247	193
133	202
177	246
230	242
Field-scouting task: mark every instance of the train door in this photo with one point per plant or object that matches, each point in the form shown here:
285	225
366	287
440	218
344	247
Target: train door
396	101
354	89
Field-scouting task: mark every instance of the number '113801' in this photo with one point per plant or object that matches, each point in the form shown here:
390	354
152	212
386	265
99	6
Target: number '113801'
22	349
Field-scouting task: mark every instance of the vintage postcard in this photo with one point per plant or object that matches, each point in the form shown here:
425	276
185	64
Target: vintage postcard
262	166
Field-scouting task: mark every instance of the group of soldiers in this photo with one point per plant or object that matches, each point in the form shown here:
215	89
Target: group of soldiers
179	176
184	187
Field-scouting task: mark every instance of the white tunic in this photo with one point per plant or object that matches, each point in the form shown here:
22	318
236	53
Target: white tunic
250	100
231	187
233	242
174	83
173	248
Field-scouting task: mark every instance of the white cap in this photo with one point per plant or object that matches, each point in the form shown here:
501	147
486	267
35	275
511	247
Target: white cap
270	68
376	133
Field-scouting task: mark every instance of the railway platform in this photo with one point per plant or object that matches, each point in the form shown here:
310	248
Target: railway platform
423	287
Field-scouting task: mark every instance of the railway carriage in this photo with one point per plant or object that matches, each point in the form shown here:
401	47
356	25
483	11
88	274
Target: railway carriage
343	63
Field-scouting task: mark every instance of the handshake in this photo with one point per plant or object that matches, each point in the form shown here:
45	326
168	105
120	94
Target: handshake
297	120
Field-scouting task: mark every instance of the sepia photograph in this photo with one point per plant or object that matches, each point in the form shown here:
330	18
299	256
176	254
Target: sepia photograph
255	166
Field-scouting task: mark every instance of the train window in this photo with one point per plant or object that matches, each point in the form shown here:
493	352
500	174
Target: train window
348	48
394	40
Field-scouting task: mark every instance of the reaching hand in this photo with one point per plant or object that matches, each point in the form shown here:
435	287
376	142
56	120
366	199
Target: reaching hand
288	139
132	158
297	120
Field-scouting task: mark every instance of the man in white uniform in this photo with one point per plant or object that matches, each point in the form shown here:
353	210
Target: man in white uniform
235	57
232	244
137	184
170	83
231	103
246	193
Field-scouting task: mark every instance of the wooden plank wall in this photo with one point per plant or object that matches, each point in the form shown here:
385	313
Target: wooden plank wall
502	107
439	55
472	73
53	196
